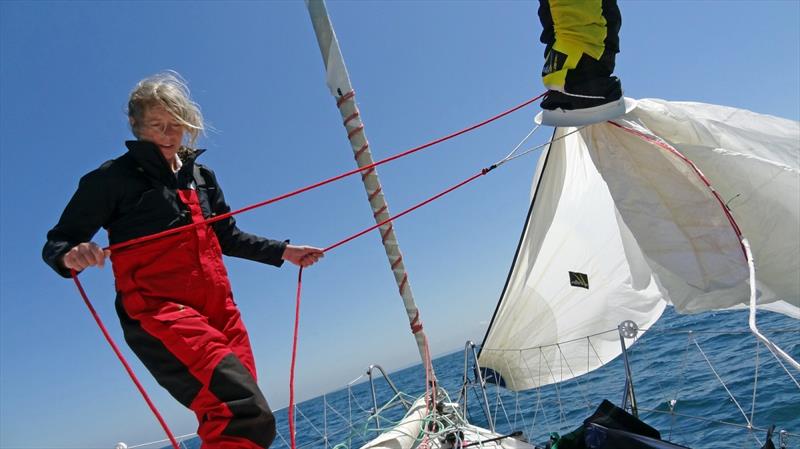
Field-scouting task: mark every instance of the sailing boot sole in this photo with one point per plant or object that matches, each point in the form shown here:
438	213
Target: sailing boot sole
587	116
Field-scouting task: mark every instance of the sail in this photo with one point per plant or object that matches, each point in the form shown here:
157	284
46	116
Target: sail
753	162
627	217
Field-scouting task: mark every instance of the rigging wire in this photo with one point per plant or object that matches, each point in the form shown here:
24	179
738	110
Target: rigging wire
511	156
533	130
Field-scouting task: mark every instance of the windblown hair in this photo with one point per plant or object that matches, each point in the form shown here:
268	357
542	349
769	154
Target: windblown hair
170	91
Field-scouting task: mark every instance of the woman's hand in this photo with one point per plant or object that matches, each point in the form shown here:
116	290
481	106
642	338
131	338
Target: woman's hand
85	255
302	256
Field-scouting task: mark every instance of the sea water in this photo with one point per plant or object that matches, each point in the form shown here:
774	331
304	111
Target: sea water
673	379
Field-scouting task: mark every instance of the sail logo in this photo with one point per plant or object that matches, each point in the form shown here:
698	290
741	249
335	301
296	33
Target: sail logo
579	280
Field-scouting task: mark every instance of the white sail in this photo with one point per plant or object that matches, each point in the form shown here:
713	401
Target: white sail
753	162
636	211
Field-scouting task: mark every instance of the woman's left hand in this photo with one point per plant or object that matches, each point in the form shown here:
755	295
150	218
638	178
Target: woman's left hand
302	256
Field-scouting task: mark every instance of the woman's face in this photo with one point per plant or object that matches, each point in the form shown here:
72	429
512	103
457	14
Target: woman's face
161	128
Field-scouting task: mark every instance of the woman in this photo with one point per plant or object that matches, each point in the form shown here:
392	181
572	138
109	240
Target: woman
173	297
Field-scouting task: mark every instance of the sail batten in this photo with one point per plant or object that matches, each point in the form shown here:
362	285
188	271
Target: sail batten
627	218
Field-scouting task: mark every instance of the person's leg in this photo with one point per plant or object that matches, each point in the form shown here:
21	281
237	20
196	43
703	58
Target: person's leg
228	320
194	362
582	40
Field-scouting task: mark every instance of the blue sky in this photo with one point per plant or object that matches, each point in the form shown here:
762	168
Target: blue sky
420	69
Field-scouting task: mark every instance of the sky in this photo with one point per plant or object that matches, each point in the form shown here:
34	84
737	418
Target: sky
420	69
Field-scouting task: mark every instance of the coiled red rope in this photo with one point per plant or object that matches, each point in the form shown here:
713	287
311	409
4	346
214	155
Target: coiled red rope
214	219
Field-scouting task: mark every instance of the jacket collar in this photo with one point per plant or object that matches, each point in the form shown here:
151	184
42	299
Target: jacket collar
149	158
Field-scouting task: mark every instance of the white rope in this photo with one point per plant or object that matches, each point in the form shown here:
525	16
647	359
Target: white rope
529	150
508	156
770	345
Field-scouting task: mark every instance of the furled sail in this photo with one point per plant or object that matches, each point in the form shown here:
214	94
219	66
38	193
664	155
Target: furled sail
627	217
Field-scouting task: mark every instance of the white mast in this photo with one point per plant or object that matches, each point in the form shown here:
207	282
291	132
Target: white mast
339	83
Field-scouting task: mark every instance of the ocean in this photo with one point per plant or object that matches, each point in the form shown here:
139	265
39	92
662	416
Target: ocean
676	390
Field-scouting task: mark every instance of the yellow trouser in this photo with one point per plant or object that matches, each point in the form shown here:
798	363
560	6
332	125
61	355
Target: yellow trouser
573	28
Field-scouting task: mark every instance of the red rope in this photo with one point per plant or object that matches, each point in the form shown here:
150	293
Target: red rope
124	362
294	356
410	209
321	183
416	326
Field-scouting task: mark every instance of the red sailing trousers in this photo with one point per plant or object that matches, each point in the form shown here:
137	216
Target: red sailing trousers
177	312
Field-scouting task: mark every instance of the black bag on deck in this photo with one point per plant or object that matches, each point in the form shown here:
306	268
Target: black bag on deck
611	427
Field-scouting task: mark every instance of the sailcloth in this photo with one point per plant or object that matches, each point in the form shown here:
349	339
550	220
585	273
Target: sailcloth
632	215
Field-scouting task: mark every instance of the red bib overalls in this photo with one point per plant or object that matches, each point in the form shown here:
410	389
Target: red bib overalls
178	315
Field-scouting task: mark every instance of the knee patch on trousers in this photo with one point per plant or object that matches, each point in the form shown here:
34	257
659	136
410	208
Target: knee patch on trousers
168	370
252	418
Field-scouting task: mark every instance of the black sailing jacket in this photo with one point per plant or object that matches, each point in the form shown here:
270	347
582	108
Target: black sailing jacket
136	195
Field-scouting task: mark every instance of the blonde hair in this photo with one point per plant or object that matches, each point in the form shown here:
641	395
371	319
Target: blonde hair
170	91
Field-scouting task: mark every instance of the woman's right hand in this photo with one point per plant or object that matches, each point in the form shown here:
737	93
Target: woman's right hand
302	256
85	255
